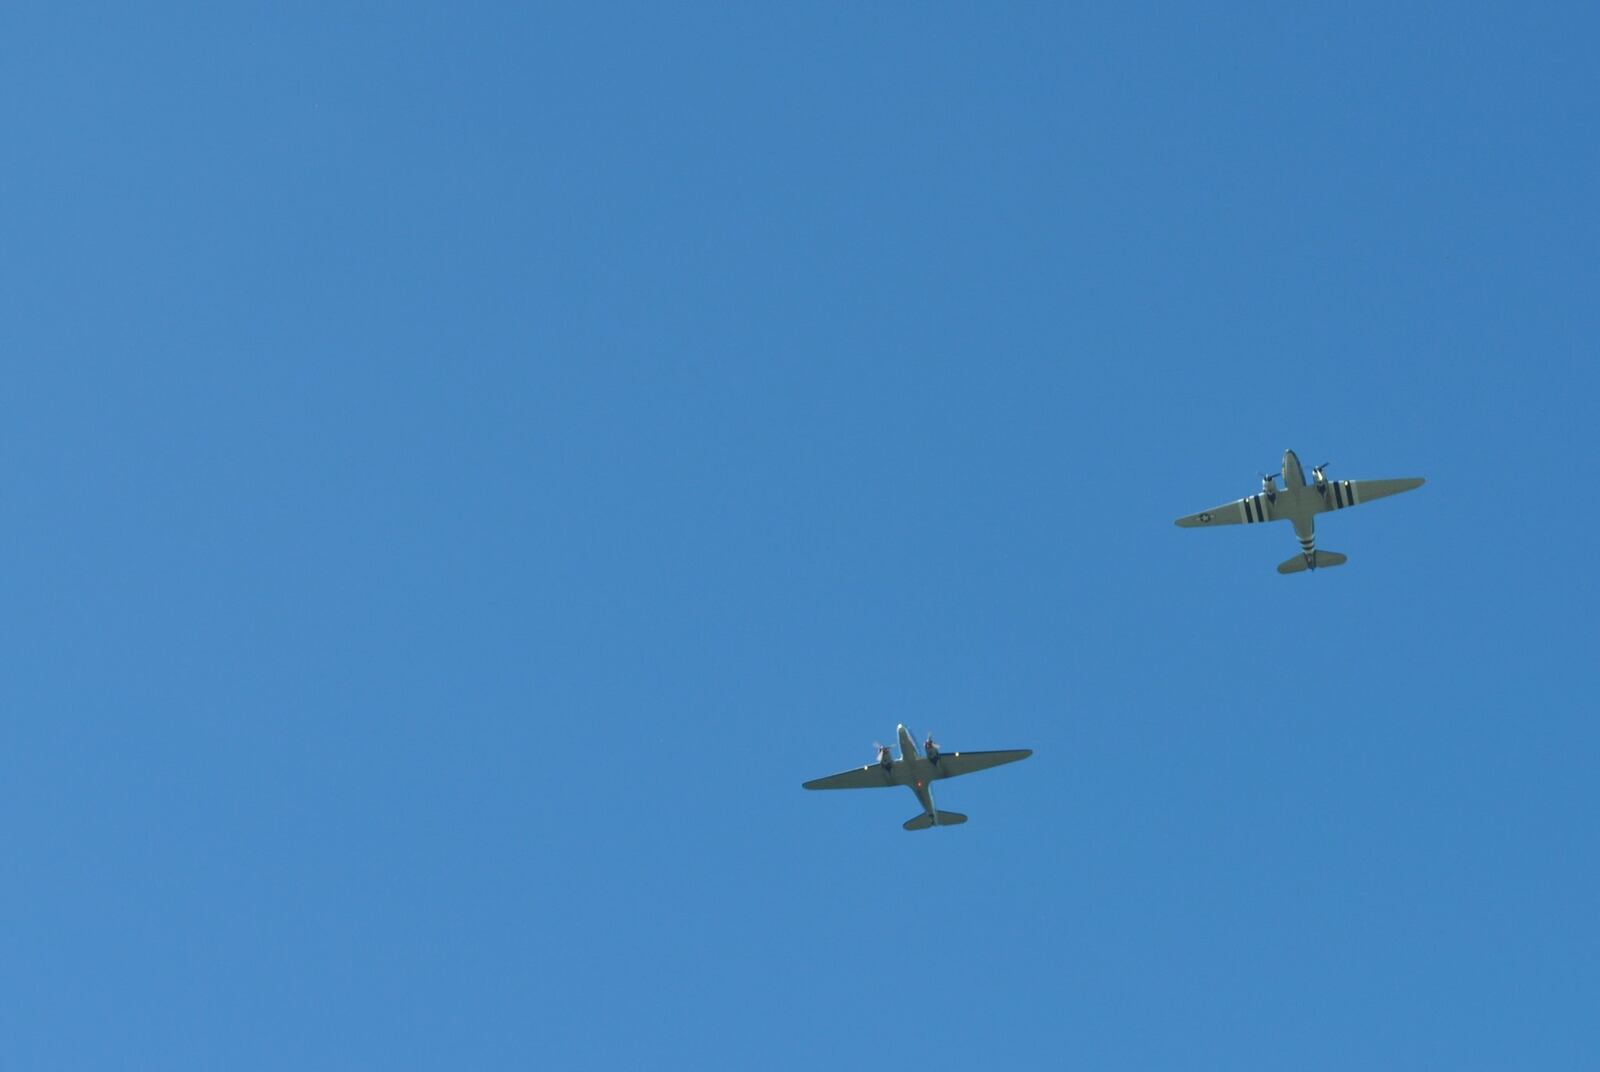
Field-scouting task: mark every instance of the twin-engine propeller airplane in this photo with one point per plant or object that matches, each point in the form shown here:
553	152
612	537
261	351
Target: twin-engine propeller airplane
1301	503
916	772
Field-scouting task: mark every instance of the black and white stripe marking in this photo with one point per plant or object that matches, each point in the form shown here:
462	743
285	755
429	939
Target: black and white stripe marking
1308	548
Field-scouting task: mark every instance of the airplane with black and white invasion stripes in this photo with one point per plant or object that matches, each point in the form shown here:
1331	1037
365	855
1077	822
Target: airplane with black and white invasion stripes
1300	503
917	773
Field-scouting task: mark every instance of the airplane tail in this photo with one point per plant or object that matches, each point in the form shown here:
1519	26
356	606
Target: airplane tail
1298	563
938	818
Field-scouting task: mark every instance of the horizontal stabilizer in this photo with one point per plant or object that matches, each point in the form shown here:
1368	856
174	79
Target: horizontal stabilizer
1300	563
944	818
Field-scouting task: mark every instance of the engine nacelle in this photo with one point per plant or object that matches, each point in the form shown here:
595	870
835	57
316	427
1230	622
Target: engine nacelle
1269	486
931	747
885	760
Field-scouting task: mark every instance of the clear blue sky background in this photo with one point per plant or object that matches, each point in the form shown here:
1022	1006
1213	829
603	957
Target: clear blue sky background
463	468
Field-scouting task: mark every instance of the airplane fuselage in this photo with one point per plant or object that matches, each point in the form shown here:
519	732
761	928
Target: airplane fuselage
1293	475
915	771
1299	503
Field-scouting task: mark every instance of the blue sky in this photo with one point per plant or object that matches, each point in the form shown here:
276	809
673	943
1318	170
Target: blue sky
464	467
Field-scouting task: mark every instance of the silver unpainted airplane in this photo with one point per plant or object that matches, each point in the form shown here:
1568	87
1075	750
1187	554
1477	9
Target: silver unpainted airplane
918	773
1300	503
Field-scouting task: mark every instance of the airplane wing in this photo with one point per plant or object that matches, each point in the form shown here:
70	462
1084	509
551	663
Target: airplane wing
954	763
871	776
1343	493
1245	511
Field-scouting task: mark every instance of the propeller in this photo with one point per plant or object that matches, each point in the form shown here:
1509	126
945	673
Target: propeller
1265	478
1320	468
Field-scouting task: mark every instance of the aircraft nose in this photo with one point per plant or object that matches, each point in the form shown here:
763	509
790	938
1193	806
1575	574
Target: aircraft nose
901	727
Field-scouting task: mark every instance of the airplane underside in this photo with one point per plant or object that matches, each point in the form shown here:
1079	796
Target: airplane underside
1299	501
918	773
